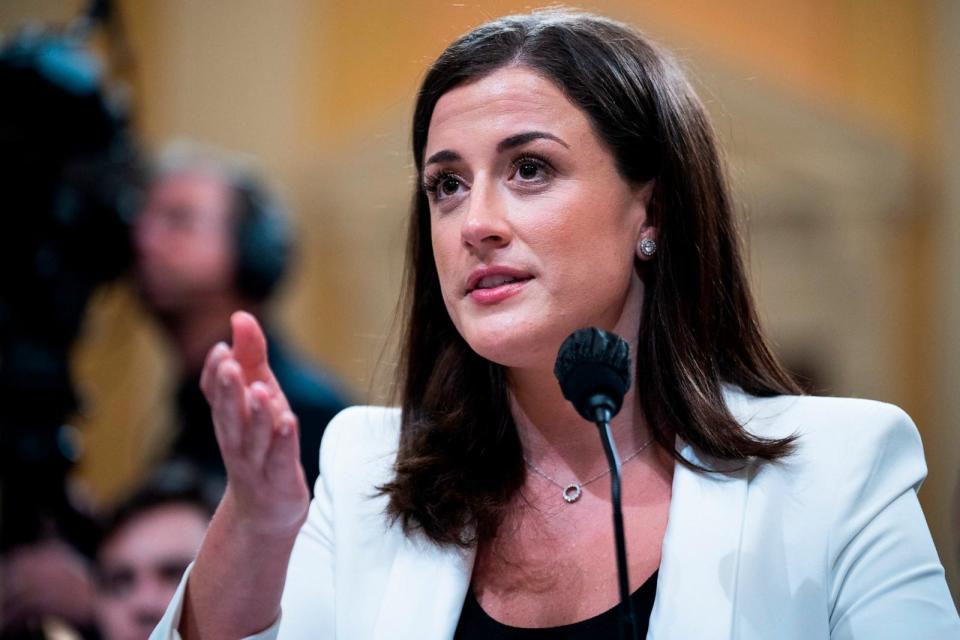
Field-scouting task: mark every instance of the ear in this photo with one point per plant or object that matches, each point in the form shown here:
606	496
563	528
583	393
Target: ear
647	230
644	192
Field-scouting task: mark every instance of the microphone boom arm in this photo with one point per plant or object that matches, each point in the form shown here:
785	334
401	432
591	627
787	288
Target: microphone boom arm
628	620
593	369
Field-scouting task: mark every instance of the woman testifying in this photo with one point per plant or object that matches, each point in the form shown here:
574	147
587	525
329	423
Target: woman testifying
567	177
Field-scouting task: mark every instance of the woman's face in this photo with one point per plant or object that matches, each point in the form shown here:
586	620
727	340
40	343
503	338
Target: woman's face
534	232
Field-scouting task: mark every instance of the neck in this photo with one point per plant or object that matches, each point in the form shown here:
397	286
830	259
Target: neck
551	431
193	332
555	436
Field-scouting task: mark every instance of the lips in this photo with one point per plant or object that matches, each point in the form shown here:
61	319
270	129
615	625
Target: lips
495	276
493	284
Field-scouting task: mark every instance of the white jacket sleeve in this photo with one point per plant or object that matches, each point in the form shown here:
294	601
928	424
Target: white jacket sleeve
886	578
308	603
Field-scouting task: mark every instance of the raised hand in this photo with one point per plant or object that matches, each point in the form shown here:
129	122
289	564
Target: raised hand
237	579
256	431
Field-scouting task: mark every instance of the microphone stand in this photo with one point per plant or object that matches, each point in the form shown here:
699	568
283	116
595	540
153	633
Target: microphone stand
602	416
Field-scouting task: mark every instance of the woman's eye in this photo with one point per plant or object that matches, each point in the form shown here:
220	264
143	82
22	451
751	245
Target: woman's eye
442	186
528	170
531	170
449	186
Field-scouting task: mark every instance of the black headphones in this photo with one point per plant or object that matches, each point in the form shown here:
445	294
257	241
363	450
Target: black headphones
264	240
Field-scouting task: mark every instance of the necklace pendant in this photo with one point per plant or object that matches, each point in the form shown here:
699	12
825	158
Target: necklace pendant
572	492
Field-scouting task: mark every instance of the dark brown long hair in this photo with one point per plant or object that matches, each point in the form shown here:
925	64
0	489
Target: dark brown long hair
460	458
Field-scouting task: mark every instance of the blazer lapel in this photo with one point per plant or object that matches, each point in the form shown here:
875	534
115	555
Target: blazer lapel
425	591
697	582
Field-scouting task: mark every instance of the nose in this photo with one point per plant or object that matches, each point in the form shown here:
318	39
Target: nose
486	224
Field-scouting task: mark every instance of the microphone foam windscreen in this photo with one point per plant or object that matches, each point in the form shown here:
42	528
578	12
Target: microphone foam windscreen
593	362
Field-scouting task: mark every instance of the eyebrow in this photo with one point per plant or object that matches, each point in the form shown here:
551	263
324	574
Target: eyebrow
523	138
510	142
443	156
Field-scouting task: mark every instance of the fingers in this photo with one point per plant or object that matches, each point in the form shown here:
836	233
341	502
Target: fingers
216	355
251	416
247	419
273	420
228	404
283	457
262	420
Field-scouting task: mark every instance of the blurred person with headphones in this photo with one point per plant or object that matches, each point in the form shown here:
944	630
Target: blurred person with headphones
211	239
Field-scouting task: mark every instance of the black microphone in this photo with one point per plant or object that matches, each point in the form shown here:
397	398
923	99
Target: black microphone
593	368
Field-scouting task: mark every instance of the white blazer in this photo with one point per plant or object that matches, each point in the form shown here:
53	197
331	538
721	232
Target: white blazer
830	543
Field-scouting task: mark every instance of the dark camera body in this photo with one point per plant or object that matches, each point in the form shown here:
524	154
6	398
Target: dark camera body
69	172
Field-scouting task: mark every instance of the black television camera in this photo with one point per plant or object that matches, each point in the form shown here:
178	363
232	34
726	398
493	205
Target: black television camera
69	176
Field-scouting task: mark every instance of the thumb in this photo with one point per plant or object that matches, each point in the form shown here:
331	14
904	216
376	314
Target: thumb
250	348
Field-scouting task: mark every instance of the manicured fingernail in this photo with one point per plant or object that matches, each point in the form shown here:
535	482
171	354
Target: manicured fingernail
254	403
224	380
284	428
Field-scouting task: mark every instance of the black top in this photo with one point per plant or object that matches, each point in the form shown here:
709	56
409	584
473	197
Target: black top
314	396
475	624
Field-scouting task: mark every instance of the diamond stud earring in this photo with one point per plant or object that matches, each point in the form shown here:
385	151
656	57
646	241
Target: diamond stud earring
648	247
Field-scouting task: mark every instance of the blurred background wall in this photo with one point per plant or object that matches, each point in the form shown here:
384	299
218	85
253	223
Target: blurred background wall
837	116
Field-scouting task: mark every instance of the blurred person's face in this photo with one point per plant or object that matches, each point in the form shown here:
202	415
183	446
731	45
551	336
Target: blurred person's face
184	242
533	229
140	566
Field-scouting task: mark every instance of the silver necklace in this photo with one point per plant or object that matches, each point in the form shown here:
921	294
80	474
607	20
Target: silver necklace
572	492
